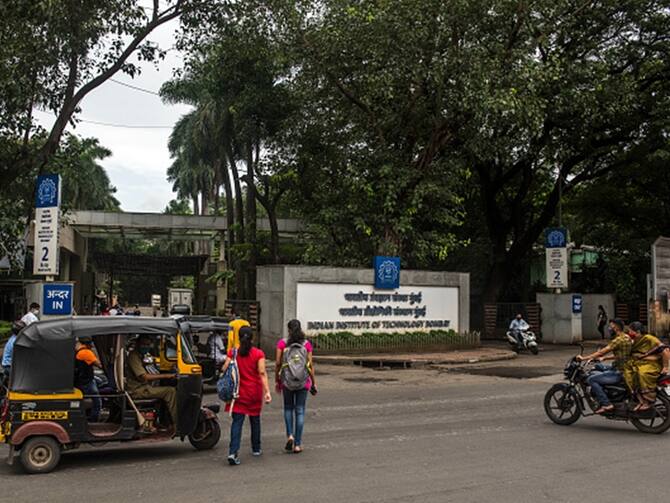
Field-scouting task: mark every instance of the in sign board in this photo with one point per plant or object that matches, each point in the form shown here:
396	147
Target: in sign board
387	273
57	299
576	303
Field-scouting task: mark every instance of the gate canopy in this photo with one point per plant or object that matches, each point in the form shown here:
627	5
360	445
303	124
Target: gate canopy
148	265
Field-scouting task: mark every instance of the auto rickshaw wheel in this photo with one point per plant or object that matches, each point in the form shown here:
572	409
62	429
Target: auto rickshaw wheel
40	454
206	435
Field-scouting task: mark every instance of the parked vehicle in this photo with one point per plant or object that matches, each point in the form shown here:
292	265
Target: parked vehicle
200	330
44	414
565	403
180	297
528	338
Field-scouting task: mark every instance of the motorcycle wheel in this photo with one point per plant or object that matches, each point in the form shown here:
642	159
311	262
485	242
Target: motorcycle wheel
659	420
206	436
561	404
534	349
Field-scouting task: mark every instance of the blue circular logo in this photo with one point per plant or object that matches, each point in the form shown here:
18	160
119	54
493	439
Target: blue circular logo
556	239
47	192
388	272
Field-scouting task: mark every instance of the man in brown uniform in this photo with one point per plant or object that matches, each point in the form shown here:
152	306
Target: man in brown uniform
140	380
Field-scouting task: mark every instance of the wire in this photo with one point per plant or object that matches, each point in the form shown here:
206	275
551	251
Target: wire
109	124
135	87
127	126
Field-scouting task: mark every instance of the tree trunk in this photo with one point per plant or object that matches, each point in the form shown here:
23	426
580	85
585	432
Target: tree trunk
239	199
251	223
196	209
274	234
230	199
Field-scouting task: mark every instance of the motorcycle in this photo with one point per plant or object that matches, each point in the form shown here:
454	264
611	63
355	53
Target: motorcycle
528	338
565	403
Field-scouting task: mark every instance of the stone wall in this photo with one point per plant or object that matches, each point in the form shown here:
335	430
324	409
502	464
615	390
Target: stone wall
561	326
276	290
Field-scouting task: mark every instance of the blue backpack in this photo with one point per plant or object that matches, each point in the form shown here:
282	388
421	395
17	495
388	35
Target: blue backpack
228	385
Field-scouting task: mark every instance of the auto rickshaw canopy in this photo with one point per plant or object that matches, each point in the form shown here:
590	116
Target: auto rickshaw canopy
43	358
196	324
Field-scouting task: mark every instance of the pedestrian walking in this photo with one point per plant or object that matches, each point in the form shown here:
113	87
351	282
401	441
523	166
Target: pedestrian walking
253	391
32	315
602	321
294	377
8	352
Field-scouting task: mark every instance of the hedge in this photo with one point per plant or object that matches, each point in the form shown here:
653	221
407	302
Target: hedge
392	341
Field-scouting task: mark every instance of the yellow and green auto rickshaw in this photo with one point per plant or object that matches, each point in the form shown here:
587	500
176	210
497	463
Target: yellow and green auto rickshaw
44	414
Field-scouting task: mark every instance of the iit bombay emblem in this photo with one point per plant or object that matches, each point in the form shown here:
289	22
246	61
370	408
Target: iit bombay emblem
47	192
388	272
556	239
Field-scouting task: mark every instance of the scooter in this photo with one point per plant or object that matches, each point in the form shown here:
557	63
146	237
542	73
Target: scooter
528	339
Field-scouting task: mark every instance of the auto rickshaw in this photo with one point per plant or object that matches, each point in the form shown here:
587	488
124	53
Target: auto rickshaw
198	329
44	414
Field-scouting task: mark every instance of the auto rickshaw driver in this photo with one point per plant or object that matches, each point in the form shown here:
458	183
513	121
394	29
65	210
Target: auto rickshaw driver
141	378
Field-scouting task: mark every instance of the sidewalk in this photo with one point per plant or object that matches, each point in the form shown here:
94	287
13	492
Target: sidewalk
406	360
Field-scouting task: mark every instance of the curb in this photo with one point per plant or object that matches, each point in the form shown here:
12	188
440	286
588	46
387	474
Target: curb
394	361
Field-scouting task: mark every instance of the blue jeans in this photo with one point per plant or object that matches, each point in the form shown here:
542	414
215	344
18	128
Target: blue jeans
92	389
597	381
236	433
294	410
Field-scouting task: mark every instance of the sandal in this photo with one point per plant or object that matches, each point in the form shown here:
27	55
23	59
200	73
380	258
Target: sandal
604	409
289	445
297	449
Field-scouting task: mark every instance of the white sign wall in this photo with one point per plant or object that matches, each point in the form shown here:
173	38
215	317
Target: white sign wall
326	307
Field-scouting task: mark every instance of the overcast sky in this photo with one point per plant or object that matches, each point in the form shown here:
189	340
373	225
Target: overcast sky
140	158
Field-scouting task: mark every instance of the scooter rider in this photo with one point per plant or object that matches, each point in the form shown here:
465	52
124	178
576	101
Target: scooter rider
518	326
620	346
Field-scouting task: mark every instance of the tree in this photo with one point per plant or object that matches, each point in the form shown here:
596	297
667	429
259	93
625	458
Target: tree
178	207
52	55
633	210
86	185
525	100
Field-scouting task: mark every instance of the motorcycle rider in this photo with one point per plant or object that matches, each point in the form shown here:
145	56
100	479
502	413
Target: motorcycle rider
620	346
516	328
650	358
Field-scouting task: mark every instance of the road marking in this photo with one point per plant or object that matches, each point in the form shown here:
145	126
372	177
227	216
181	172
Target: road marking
415	403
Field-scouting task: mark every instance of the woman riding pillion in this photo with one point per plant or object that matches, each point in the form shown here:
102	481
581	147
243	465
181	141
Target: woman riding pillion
649	360
294	377
253	391
620	346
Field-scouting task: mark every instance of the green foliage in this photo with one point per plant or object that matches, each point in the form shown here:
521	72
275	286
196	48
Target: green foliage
410	120
5	329
392	341
178	207
633	209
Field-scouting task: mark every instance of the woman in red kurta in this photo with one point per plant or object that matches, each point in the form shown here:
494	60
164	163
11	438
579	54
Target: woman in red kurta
254	389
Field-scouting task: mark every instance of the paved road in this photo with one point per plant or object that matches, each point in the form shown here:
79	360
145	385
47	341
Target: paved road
399	435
